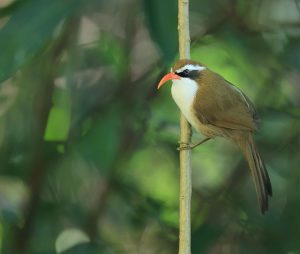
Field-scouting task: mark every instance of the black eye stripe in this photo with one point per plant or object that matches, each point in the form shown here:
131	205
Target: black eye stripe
188	74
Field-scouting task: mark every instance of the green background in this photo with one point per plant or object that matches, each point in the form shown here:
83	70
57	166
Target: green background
88	159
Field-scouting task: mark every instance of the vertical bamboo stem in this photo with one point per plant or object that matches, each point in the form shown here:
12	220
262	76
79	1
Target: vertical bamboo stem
185	137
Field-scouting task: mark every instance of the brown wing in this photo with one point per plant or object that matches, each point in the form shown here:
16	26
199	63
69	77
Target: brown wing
222	104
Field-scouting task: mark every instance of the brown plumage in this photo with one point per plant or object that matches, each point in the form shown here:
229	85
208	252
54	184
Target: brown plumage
221	109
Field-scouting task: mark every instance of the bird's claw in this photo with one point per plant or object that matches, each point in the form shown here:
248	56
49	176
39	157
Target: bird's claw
184	146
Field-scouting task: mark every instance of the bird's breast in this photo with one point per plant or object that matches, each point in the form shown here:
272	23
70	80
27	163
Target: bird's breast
184	93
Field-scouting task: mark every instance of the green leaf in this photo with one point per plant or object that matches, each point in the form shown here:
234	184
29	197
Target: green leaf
59	119
162	21
58	125
28	30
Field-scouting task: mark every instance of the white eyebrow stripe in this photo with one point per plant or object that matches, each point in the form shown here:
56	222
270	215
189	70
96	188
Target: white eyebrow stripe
191	67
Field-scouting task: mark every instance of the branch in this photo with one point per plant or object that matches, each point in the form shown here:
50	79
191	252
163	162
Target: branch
185	137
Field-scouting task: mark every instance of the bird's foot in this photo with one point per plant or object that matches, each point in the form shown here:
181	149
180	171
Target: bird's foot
186	146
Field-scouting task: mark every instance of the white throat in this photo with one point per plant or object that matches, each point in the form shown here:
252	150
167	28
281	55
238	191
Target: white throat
184	91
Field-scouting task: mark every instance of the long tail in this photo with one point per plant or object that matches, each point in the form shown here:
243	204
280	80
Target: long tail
258	170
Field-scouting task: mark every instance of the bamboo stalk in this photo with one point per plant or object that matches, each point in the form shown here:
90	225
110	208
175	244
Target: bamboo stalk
185	137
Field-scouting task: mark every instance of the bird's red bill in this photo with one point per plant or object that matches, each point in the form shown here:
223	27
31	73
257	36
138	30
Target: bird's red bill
167	77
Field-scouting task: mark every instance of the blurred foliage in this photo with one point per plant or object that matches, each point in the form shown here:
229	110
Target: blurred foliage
88	146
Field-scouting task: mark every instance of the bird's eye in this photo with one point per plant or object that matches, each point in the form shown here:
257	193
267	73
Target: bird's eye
185	72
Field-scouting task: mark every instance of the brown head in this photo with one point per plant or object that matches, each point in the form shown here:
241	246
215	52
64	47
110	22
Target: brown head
184	68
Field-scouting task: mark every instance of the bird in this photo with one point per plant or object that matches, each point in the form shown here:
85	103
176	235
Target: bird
217	108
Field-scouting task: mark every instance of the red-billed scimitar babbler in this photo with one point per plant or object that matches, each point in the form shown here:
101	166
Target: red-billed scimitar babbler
215	107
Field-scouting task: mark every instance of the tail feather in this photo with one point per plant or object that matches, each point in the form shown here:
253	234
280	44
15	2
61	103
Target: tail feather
259	172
